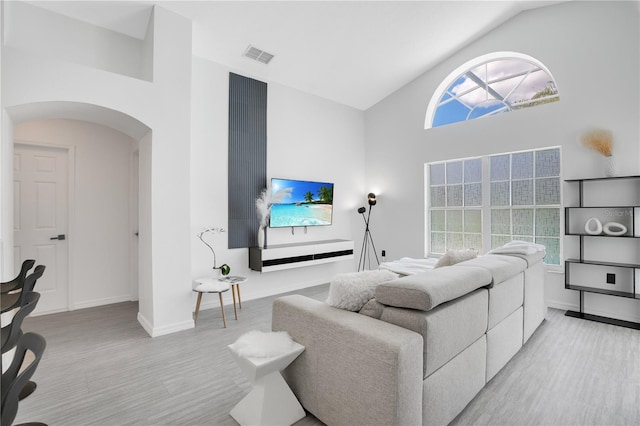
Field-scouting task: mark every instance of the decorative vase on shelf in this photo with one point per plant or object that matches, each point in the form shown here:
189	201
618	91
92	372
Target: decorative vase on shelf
610	168
614	229
593	226
261	237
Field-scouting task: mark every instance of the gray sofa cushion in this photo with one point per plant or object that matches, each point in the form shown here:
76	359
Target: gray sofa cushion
500	267
429	289
503	342
447	391
505	298
447	330
372	309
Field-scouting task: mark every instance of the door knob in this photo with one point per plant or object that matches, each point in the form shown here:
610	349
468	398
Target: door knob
59	237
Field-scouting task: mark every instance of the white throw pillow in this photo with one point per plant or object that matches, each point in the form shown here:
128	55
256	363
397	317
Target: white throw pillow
350	291
451	257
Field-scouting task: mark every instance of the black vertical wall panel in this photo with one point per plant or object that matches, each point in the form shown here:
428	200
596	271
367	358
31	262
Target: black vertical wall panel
247	157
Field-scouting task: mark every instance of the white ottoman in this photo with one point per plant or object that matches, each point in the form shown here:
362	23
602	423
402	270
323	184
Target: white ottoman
270	401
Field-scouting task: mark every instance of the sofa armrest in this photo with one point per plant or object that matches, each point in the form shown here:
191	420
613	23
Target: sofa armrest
355	369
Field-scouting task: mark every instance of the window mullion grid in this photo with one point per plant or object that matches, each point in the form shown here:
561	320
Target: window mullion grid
486	207
486	204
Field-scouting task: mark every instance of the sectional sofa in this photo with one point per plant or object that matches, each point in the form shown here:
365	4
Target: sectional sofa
418	352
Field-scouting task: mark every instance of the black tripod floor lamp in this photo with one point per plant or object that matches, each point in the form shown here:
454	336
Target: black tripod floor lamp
365	253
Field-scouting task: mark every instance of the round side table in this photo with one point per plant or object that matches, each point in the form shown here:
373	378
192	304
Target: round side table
210	285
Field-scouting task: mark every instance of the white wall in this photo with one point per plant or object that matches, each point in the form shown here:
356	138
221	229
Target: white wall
307	138
30	80
100	268
597	76
75	41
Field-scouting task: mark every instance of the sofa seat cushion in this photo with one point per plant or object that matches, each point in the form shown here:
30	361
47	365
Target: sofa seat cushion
429	289
446	330
372	309
500	267
505	298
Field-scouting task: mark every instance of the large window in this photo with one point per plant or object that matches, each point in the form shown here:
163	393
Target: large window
484	202
491	84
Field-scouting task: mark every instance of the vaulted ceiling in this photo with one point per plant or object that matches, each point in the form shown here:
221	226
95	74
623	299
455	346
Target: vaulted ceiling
352	52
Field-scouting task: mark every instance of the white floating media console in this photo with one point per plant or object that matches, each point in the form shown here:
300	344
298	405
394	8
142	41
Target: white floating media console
286	256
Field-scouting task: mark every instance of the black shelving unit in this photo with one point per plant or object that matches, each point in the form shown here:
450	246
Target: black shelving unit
619	279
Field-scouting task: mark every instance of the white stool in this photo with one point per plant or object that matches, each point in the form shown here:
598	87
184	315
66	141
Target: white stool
210	285
270	401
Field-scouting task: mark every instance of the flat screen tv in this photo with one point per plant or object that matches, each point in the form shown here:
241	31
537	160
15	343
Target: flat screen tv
300	203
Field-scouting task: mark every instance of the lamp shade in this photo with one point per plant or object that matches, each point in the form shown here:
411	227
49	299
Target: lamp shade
372	199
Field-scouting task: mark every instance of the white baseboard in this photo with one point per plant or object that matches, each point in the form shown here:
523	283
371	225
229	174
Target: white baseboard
161	331
562	305
172	328
145	324
99	302
212	303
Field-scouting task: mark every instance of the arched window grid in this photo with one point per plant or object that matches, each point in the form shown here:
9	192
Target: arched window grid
489	74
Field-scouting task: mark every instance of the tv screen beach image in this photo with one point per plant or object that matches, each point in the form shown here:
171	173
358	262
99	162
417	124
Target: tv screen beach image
300	203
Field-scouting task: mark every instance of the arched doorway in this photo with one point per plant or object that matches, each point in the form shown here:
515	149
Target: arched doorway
92	185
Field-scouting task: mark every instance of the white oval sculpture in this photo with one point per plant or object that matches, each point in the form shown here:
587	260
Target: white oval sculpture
593	226
615	229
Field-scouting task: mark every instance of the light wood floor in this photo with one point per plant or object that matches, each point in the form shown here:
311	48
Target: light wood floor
101	368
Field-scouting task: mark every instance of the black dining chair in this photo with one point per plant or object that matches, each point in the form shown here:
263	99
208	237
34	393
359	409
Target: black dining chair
11	333
16	299
18	281
18	375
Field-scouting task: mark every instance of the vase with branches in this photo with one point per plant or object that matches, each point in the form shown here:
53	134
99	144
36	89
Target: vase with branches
224	268
264	201
601	141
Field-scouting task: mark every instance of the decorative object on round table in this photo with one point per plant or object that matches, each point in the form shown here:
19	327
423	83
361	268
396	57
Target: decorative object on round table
224	269
614	229
593	226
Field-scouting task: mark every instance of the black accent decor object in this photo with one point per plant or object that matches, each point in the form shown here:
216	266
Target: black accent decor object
367	239
247	157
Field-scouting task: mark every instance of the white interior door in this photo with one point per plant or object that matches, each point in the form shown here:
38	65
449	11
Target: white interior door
41	220
135	173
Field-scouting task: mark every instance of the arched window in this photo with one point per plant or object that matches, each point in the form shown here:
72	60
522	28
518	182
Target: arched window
488	85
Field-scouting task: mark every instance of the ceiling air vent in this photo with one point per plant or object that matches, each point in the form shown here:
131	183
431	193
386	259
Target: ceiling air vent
257	55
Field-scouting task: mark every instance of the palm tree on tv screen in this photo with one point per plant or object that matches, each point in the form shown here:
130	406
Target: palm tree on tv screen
326	195
308	197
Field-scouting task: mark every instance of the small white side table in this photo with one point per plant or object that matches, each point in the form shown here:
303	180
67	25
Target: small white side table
210	285
270	401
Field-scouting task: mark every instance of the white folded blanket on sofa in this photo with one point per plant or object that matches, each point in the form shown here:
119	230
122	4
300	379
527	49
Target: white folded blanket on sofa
518	247
409	266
